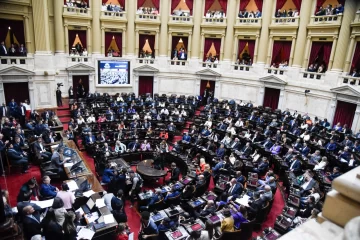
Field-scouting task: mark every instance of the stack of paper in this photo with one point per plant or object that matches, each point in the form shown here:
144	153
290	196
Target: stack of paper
44	204
92	217
88	193
109	219
68	165
100	203
72	185
85	233
243	201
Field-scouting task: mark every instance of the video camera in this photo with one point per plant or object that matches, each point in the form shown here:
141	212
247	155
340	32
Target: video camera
60	84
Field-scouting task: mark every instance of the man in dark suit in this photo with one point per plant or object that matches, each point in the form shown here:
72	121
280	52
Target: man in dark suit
13	107
41	151
262	167
246	150
235	189
175	173
17	158
31	222
3	50
220	151
235	144
295	165
256	205
4	111
267	144
336	173
21	113
134	145
117	205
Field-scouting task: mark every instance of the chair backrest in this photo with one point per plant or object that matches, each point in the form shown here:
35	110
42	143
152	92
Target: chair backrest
246	230
261	215
231	235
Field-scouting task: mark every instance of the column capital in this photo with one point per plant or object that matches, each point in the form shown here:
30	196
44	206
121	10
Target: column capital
271	36
157	31
352	37
66	25
308	37
335	37
202	34
190	33
170	32
88	27
222	35
257	36
102	28
25	17
137	31
293	37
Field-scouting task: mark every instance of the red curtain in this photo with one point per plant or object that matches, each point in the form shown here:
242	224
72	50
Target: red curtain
251	46
319	4
223	4
156	4
344	113
242	45
118	39
277	48
203	84
17	91
286	51
151	40
84	80
327	51
297	4
259	4
175	40
17	30
140	3
81	34
174	4
271	98
280	4
356	58
190	4
243	4
208	4
146	85
315	50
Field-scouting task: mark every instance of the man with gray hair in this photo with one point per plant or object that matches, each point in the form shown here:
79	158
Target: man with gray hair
267	195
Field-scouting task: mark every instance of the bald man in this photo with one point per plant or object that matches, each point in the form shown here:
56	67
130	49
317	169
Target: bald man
31	222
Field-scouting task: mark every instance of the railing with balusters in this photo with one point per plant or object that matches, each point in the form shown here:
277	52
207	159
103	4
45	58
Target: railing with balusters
181	19
77	11
313	75
241	67
146	60
178	63
326	19
113	15
210	65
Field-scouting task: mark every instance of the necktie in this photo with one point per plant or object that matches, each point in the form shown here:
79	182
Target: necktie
32	216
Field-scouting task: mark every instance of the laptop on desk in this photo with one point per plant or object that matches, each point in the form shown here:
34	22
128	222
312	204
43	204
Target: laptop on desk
88	206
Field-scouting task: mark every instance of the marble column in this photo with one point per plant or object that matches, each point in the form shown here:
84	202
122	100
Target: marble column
264	35
96	30
356	119
169	44
292	51
132	36
344	36
28	43
332	54
189	44
231	16
256	49
307	52
305	14
222	47
202	43
269	51
349	55
157	44
164	8
197	16
58	27
66	33
88	39
103	41
235	46
41	26
136	43
123	36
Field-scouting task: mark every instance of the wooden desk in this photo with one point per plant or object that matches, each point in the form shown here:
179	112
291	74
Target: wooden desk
145	169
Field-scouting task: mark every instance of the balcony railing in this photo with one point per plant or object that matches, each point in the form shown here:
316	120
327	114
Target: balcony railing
210	65
181	19
357	18
326	20
212	20
75	11
313	75
145	61
76	59
182	63
113	15
4	60
148	17
241	67
248	21
294	21
276	71
348	80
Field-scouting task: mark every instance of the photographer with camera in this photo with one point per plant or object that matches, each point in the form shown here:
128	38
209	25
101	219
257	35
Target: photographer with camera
58	95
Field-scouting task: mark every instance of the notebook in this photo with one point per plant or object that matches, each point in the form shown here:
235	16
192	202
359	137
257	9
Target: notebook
177	234
196	227
214	218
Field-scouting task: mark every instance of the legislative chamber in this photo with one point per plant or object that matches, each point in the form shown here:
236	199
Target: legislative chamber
180	119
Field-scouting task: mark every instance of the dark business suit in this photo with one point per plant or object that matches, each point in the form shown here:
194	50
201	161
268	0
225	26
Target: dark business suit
31	226
175	174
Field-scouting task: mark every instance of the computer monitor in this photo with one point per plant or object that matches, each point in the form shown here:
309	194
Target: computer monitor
75	166
68	152
90	204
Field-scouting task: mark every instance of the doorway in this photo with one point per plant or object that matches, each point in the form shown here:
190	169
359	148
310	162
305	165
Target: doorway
344	113
209	87
271	98
17	91
146	85
85	83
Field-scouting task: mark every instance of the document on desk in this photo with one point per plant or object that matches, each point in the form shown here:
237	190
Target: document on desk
80	210
92	217
100	203
44	204
85	233
72	185
68	165
243	201
88	193
109	219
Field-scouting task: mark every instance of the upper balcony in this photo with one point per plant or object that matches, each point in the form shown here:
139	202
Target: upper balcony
248	23
24	62
213	22
181	20
148	18
285	22
113	16
326	21
75	12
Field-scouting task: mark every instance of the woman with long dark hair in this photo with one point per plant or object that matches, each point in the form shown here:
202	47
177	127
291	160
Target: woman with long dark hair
51	229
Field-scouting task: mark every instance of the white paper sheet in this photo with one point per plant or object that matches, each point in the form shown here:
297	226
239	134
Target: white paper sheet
85	233
72	185
88	193
100	203
81	211
68	165
109	219
92	217
243	201
44	204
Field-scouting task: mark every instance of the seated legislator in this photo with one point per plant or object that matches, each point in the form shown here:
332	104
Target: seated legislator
58	161
48	191
17	158
156	197
173	193
27	190
41	151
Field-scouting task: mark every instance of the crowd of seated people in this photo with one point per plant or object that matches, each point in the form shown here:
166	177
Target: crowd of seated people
147	10
212	59
215	14
145	54
179	54
283	64
113	53
78	4
249	14
181	13
354	73
284	13
78	50
13	51
111	8
318	68
330	10
244	59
